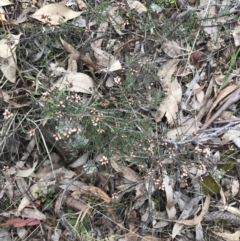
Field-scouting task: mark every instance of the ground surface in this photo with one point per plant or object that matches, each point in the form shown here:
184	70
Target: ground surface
120	120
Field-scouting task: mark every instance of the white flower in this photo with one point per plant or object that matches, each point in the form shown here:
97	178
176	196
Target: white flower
104	160
7	114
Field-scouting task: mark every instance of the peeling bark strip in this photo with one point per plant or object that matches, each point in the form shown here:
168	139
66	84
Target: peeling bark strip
222	216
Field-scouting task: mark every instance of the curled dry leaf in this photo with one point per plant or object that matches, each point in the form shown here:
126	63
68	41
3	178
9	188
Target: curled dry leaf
195	57
55	14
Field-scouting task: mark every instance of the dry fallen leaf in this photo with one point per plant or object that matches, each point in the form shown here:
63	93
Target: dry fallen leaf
5	234
199	93
207	24
138	6
2	13
195	57
80	161
230	135
70	49
8	45
6	97
185	129
81	4
198	218
236	35
169	105
113	67
79	83
78	205
37	190
172	90
55	14
33	213
5	3
232	210
225	92
19	222
116	20
27	172
172	49
100	193
170	207
229	236
8	187
8	58
235	187
106	60
199	232
215	43
186	212
100	33
127	172
132	236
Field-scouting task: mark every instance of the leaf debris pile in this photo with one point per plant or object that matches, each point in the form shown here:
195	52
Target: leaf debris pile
119	120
